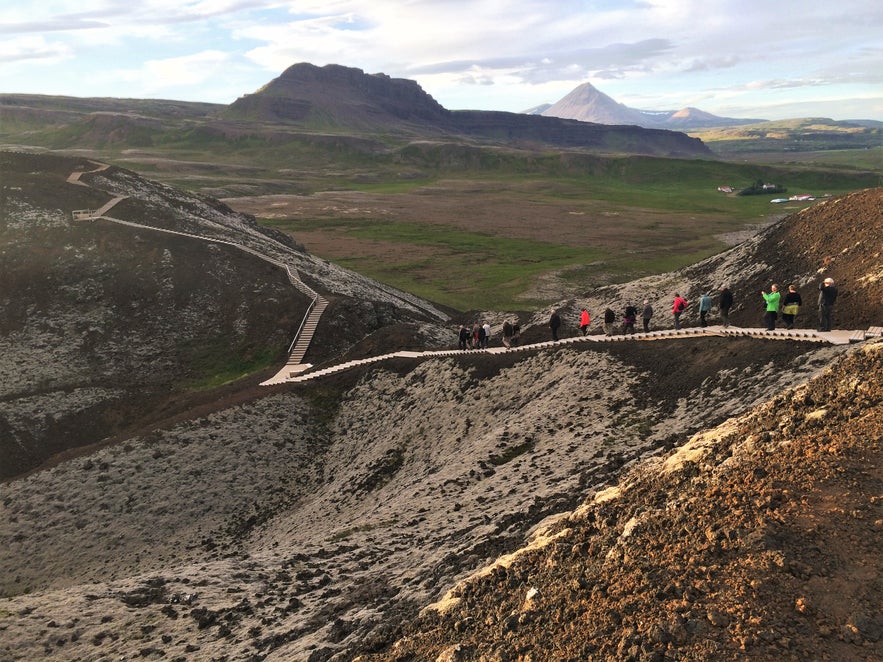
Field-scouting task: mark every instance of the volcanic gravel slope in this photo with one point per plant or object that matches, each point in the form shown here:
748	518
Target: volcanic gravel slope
756	540
842	238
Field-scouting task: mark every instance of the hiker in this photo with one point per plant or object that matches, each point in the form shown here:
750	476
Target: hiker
791	306
646	314
725	303
487	334
677	308
480	337
476	330
555	324
507	333
629	318
463	337
704	309
609	319
516	332
584	321
827	296
772	306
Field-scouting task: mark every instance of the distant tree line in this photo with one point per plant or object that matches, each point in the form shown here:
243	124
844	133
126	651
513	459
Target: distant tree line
760	188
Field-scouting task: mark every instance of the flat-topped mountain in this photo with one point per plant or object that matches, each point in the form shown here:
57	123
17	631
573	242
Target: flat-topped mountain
342	96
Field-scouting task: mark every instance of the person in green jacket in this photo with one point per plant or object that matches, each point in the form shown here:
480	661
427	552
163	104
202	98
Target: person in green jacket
772	306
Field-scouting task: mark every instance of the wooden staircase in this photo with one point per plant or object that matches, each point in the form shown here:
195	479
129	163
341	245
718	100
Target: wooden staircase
304	336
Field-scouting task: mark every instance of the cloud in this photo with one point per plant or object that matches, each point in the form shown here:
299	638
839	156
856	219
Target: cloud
713	63
188	70
33	49
500	53
53	25
469	79
838	107
557	65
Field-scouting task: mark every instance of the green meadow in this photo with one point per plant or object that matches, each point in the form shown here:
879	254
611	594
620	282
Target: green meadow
593	221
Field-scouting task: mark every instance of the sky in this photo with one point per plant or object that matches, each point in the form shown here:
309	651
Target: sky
770	59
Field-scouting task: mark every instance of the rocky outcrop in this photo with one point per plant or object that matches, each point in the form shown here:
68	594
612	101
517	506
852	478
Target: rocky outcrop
307	93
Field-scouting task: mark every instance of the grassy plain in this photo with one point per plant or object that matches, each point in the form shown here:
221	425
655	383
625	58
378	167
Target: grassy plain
510	237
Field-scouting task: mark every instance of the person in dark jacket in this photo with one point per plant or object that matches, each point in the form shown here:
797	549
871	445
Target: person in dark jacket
507	333
827	297
725	303
791	306
629	318
554	324
646	315
463	337
609	321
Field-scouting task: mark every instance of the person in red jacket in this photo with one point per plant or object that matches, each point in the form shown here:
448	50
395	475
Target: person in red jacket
584	321
678	307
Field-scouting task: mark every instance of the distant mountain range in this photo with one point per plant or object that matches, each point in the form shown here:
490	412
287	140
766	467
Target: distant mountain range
334	106
335	96
331	100
588	104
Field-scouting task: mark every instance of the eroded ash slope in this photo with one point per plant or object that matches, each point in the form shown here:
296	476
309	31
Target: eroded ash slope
313	521
758	539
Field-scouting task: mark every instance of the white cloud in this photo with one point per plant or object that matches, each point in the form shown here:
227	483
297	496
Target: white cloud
486	54
33	49
188	70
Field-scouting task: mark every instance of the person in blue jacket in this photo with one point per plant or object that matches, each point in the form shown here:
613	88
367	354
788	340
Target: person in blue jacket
704	309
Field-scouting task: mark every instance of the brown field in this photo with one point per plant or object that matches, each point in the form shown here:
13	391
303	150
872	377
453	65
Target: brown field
482	208
606	242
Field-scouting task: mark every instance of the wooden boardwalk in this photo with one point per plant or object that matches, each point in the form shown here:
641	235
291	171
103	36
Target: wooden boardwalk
295	370
836	337
304	336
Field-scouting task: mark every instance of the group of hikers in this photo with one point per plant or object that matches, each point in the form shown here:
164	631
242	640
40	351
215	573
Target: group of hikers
789	306
478	335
